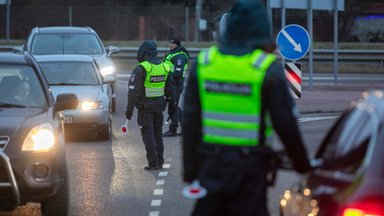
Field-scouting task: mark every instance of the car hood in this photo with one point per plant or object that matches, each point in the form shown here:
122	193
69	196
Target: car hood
12	119
90	93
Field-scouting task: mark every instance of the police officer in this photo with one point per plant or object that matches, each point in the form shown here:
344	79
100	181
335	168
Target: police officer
177	59
236	96
149	83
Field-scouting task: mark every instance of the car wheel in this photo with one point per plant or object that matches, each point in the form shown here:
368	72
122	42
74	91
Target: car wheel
58	204
68	137
106	134
113	106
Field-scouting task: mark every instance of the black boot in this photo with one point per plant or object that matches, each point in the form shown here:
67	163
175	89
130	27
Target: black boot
170	133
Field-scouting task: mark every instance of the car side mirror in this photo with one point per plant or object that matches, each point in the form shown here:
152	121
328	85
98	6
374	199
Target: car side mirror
112	50
66	101
109	79
18	49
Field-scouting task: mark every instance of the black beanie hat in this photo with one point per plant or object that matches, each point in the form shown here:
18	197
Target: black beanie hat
175	41
248	25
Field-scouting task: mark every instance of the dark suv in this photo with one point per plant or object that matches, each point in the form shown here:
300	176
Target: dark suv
32	155
74	40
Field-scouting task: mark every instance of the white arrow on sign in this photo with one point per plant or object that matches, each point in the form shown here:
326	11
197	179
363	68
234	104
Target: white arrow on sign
297	47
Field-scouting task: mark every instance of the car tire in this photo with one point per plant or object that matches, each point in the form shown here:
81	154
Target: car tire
58	204
106	134
113	105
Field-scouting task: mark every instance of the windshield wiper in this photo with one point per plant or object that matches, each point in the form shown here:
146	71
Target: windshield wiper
9	105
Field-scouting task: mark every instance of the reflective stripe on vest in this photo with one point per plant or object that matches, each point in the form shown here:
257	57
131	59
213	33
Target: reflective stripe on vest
168	61
155	78
230	94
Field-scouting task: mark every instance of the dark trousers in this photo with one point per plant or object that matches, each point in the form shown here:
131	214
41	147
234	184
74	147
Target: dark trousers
151	124
236	185
175	118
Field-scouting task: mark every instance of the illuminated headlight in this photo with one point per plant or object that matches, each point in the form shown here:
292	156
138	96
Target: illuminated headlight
39	139
91	105
108	70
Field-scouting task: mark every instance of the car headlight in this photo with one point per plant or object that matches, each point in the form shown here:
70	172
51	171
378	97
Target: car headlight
39	139
91	105
108	70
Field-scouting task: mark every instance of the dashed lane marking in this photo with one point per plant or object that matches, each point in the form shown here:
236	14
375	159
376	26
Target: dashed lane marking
163	174
158	192
154	213
166	166
160	182
156	203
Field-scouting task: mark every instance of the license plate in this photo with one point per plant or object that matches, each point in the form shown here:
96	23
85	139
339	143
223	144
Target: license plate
67	119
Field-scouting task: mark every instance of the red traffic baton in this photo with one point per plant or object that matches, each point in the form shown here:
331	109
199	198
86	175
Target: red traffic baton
194	191
124	127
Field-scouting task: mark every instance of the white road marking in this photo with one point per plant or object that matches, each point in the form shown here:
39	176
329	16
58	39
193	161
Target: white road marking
158	192
123	75
163	174
318	118
160	182
122	81
156	203
154	213
166	166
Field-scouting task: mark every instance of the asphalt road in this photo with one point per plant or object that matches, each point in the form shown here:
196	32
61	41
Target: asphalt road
107	177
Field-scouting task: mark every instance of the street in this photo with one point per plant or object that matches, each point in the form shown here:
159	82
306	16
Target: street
107	177
67	147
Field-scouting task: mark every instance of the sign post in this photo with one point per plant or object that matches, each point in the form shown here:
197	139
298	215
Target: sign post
293	43
293	75
8	14
310	5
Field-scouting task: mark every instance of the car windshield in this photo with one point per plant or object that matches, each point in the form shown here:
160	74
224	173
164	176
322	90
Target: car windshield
20	87
69	43
70	73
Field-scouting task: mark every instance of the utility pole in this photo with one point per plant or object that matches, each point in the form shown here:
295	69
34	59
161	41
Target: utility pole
199	5
187	21
8	20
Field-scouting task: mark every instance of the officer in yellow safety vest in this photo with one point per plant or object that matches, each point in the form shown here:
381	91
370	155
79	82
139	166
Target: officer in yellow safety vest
236	97
177	59
148	86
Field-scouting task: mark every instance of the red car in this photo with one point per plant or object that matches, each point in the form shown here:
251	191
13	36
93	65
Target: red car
349	176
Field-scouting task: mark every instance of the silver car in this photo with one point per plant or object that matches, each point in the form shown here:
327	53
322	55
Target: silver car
73	40
79	74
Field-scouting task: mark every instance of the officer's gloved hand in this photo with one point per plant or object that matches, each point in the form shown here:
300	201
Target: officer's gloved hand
171	109
128	114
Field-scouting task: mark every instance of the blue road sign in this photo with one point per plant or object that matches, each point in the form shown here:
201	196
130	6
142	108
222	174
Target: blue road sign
293	42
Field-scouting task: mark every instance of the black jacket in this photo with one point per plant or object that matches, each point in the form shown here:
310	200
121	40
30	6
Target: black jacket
136	89
244	34
276	99
179	62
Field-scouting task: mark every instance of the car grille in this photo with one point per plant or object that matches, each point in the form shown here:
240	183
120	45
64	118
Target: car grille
3	142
